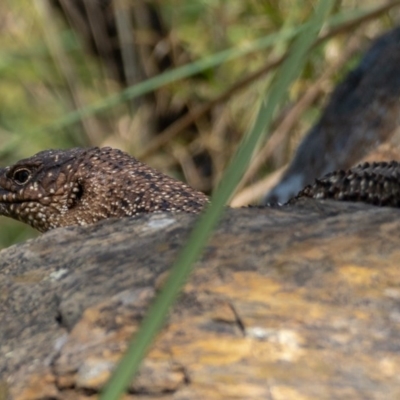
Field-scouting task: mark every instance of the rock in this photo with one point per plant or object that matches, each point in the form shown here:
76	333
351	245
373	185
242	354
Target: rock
296	302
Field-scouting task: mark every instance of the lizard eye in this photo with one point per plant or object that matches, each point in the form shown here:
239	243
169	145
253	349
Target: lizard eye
21	176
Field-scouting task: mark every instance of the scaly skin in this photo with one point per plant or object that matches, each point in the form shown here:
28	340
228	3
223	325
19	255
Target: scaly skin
57	188
375	183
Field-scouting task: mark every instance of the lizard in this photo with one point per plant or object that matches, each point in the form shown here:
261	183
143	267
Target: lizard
80	186
376	183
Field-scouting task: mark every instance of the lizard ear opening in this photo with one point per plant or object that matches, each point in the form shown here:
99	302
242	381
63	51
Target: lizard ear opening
76	195
79	192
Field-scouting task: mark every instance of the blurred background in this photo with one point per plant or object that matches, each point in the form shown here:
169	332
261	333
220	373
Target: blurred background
174	83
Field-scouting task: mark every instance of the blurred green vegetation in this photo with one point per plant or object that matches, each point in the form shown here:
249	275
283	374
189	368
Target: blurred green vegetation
61	58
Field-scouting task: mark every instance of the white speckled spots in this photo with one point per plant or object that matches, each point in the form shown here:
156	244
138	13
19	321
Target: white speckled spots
83	186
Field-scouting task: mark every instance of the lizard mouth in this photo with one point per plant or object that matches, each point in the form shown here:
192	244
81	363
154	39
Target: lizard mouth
5	198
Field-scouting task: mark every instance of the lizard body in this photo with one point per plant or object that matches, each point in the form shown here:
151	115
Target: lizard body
56	188
376	183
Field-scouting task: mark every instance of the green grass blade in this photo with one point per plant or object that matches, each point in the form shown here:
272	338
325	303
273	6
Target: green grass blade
154	319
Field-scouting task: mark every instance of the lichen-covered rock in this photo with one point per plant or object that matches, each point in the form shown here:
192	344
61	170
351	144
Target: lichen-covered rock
297	302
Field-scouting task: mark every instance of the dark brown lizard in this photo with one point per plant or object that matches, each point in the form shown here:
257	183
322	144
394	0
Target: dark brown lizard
57	188
375	183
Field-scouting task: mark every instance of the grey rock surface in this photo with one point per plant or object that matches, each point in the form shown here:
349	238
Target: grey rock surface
293	301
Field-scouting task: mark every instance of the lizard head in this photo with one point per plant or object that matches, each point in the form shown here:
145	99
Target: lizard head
39	190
